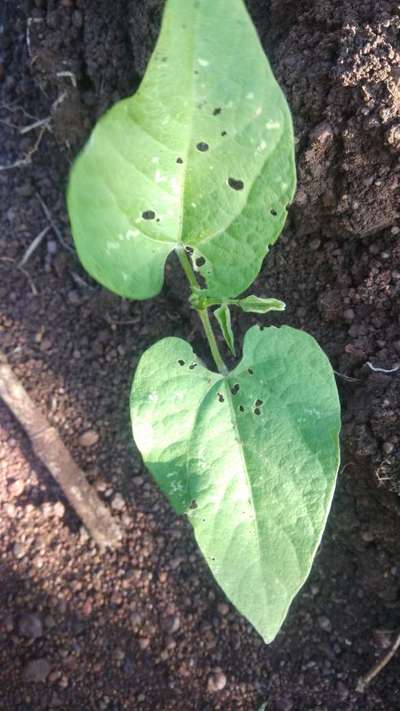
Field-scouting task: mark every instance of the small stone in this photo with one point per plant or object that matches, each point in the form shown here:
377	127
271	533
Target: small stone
52	247
16	488
172	624
87	608
31	626
89	438
388	447
118	504
315	244
223	608
37	670
216	682
19	551
349	314
383	638
54	676
59	509
367	536
325	623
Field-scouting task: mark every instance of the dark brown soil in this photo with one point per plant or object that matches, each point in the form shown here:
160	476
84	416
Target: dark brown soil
147	628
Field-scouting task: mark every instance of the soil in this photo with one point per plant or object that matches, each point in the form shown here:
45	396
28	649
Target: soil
146	627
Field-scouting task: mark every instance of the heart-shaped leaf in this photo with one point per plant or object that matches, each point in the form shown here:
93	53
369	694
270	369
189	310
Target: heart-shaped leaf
202	155
251	458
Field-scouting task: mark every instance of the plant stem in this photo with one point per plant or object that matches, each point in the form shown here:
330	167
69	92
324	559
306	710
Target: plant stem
203	313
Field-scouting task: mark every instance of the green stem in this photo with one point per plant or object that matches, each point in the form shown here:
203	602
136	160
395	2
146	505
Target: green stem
203	313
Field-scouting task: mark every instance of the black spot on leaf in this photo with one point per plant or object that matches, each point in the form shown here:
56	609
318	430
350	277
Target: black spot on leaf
257	411
202	147
220	397
179	160
148	215
235	389
181	362
274	213
224	133
258	403
241	408
235	184
193	366
193	505
217	111
250	371
200	262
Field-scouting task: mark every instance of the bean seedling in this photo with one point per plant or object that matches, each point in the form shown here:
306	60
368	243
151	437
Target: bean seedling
200	161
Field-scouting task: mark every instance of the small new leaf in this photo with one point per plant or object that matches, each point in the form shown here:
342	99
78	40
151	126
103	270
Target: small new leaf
257	305
223	316
250	457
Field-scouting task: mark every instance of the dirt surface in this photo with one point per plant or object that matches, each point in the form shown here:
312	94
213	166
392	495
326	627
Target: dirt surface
146	628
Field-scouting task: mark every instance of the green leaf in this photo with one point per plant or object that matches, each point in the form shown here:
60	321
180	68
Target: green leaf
256	305
202	155
223	316
251	458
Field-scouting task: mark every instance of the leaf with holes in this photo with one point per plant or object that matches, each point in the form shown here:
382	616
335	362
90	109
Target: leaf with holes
223	316
202	155
250	457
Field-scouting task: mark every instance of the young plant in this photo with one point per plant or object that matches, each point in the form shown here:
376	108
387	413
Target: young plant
200	161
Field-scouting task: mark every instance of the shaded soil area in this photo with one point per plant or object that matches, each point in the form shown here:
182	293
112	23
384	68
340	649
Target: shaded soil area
146	628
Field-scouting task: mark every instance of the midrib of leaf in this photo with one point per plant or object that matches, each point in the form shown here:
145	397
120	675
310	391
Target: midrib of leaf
190	131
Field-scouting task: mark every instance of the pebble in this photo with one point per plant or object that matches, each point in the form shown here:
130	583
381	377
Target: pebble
52	247
349	314
37	670
118	504
19	551
31	626
216	682
325	623
172	624
89	438
59	509
223	608
16	488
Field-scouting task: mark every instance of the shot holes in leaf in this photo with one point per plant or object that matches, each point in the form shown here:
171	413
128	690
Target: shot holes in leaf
181	362
200	262
202	147
148	215
235	389
235	184
179	160
217	111
220	397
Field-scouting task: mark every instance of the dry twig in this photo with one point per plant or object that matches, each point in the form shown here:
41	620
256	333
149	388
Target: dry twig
377	668
51	451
